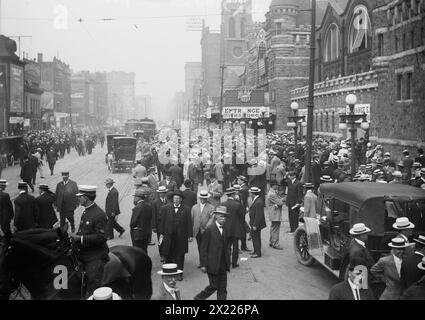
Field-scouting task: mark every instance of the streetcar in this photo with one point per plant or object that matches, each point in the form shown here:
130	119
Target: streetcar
134	126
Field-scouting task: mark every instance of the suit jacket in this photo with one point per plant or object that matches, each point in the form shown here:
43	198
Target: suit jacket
385	270
311	207
163	294
357	251
272	199
66	199
415	291
256	214
47	215
410	273
26	212
6	211
171	186
189	199
177	175
140	223
316	173
93	231
112	205
215	189
342	291
51	157
213	249
175	239
235	220
200	220
156	213
294	194
244	195
27	171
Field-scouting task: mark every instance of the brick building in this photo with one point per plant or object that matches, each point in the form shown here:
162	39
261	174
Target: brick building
33	92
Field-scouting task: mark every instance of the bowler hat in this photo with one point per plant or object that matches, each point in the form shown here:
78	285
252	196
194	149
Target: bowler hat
22	185
65	174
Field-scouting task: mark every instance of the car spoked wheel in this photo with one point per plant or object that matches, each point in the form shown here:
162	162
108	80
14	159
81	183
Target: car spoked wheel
301	247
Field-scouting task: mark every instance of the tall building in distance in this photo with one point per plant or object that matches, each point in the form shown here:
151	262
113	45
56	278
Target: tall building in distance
193	72
121	96
143	107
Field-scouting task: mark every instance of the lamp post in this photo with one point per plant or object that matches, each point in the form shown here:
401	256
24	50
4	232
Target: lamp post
293	123
350	120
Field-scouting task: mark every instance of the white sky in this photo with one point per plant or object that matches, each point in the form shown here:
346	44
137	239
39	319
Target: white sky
147	39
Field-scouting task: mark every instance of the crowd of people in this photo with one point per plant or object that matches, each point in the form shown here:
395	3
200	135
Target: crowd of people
208	202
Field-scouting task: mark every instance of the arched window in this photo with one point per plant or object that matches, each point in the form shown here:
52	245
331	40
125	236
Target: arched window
332	43
360	34
232	29
242	23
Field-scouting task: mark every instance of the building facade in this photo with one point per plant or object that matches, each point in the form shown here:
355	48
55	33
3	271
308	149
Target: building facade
33	93
121	96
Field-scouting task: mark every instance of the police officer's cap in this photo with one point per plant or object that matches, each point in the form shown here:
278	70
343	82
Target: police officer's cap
86	191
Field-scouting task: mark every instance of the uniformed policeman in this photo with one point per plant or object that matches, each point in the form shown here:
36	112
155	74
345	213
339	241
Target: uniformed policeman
91	238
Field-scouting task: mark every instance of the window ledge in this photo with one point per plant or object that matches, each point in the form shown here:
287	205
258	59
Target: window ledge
405	101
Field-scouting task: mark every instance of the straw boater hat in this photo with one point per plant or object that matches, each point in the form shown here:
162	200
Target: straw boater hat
326	178
423	171
397	174
169	269
243	178
221	210
420	239
398	243
162	189
204	194
359	228
308	185
237	187
230	190
3	182
104	293
255	190
421	265
403	223
86	191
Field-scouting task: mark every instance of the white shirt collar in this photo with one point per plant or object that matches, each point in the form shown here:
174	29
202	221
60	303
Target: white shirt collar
220	228
110	188
354	289
23	191
397	262
360	242
255	198
170	291
65	182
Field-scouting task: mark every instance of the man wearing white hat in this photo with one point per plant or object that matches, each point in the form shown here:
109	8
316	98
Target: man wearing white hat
388	268
91	237
409	271
397	175
357	248
257	220
160	202
405	228
6	208
104	294
202	215
168	289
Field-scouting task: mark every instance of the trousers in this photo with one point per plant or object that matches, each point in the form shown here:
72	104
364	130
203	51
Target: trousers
293	216
67	215
256	241
142	244
52	167
199	241
232	244
274	233
217	283
113	224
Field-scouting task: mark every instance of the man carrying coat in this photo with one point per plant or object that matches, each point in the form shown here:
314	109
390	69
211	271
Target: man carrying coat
112	210
215	257
6	208
47	215
66	200
141	219
235	224
176	230
257	221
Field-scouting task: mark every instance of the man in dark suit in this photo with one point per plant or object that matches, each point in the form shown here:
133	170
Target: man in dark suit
190	198
26	211
66	200
316	171
409	272
6	208
243	195
47	216
215	257
177	175
51	158
112	210
169	183
293	201
357	248
176	230
234	224
257	220
417	290
141	219
27	172
352	288
91	238
161	201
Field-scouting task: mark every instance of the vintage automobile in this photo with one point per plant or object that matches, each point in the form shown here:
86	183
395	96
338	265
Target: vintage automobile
123	154
342	205
110	146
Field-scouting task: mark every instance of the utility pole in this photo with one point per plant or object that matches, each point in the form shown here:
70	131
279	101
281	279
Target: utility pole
146	106
220	116
199	105
19	42
310	103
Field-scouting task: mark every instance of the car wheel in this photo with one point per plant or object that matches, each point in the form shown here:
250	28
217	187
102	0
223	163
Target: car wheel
301	247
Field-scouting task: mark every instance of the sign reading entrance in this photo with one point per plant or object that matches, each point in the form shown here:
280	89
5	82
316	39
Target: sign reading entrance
246	112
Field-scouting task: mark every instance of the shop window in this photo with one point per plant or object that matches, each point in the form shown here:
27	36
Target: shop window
380	44
409	86
412	39
399	87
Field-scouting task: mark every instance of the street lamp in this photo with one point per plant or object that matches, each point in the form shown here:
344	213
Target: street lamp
293	122
350	119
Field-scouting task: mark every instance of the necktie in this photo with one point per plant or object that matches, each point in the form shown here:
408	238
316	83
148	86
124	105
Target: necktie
177	293
357	294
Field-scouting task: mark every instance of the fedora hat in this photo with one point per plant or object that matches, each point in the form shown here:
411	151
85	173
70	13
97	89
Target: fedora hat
326	178
420	239
86	191
359	228
162	189
403	223
421	265
204	194
221	210
177	193
398	243
255	190
104	293
169	269
109	180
